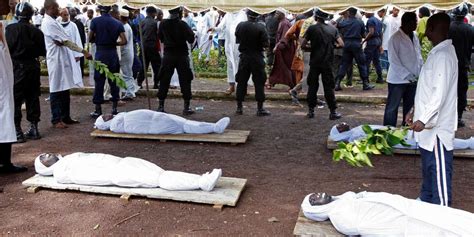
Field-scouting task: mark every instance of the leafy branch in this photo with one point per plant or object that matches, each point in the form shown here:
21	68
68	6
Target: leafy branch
377	141
115	77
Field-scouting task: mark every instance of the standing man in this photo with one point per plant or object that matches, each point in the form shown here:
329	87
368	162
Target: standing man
253	39
392	24
462	36
126	57
104	32
60	60
271	23
354	31
151	46
26	45
423	13
175	35
7	133
405	66
82	31
73	34
323	38
434	119
373	47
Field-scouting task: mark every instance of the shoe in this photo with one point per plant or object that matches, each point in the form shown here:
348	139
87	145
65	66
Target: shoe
320	102
380	81
127	98
348	85
208	181
230	90
161	106
70	121
367	87
334	115
11	168
20	136
97	112
239	111
461	123
262	112
310	113
114	107
60	125
338	85
33	132
221	125
187	109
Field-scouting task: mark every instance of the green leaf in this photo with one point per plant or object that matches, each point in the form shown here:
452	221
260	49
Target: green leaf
367	129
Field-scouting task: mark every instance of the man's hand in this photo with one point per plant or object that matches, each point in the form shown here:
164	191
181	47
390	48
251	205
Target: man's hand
87	55
418	126
58	43
77	59
381	50
1	32
409	118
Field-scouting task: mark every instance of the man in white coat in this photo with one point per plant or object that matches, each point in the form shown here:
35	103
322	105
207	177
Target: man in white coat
7	109
97	169
434	119
384	214
73	32
151	122
60	60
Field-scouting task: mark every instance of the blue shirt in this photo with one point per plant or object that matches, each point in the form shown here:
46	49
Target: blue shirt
352	29
107	30
377	25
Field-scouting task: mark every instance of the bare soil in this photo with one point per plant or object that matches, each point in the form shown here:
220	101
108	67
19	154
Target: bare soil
285	159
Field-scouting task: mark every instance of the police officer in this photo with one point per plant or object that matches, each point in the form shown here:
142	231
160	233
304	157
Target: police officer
323	37
175	34
462	35
26	44
104	31
353	31
374	44
253	38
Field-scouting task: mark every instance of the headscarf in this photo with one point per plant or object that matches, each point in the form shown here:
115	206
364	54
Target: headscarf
101	124
42	169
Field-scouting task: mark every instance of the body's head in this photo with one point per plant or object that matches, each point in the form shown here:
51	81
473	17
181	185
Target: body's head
24	11
409	22
51	8
424	12
44	163
318	199
437	28
64	13
381	13
343	127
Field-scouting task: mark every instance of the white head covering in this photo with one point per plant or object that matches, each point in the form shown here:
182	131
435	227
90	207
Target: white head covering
337	136
317	212
42	169
124	13
117	125
101	124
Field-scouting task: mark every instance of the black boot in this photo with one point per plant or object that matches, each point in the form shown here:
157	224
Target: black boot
240	109
366	86
114	107
310	113
20	137
338	84
380	80
33	132
333	115
97	112
261	111
161	106
187	109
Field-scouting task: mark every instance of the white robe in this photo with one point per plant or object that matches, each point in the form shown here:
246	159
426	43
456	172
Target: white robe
358	133
384	214
73	32
7	124
98	169
60	59
152	122
204	43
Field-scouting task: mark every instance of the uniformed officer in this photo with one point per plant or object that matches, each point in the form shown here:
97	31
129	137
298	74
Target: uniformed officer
26	44
253	39
354	31
104	31
175	34
462	35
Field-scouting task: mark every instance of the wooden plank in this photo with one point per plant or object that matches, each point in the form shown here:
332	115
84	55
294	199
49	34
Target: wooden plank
218	207
306	227
226	192
125	197
32	189
229	136
466	153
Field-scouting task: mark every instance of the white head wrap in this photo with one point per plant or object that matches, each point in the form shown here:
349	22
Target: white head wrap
42	169
101	124
317	212
337	136
117	124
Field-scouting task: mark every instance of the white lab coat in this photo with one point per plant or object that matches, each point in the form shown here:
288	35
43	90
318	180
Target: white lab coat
73	32
436	97
98	169
60	59
404	57
151	122
7	124
384	214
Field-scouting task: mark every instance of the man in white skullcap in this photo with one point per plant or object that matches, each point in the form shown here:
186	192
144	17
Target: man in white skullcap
98	169
152	122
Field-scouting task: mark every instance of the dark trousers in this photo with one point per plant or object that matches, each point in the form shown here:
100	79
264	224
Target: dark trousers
397	93
437	170
328	86
180	62
221	45
27	90
336	64
270	54
353	50
5	153
251	65
110	58
137	63
81	63
60	106
372	55
463	85
151	56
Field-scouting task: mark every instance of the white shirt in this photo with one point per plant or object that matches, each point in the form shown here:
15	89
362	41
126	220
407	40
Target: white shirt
128	48
404	57
60	59
392	24
436	97
37	19
7	125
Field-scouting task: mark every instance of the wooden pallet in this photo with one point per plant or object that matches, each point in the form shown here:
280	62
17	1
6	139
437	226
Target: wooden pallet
226	192
233	137
305	227
467	153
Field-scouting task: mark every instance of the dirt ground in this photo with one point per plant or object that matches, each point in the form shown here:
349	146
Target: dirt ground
284	159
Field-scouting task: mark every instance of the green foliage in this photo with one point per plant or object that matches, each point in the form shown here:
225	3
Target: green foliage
213	65
115	77
378	141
